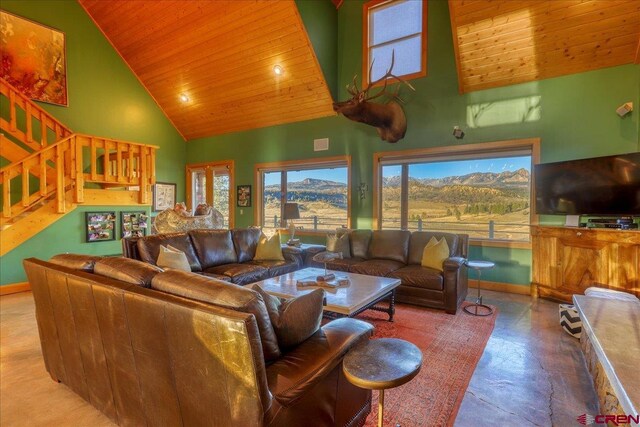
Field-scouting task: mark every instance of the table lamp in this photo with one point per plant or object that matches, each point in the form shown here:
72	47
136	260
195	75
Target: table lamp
291	212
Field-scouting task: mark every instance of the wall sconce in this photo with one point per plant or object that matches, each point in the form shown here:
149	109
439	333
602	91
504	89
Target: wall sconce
362	189
457	132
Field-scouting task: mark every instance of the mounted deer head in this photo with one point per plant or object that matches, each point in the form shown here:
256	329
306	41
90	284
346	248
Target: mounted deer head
388	119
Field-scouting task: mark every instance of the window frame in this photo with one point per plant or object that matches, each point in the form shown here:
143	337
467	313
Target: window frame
208	168
296	165
366	8
381	159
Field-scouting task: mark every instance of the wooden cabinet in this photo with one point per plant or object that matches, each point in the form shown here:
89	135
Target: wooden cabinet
567	260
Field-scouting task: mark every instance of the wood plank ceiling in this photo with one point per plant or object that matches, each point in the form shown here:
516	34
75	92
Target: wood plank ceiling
221	54
503	42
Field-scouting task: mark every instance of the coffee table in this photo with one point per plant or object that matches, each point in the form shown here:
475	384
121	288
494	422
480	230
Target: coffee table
364	292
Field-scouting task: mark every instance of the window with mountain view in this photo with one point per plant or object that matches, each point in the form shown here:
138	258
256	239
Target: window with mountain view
487	198
321	194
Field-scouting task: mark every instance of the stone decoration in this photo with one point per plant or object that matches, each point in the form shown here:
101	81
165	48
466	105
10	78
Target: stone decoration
169	221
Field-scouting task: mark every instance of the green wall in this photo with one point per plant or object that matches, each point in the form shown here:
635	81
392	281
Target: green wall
105	99
577	119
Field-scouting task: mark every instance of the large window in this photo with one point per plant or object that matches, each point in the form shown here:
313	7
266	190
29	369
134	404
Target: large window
211	183
399	27
486	194
320	188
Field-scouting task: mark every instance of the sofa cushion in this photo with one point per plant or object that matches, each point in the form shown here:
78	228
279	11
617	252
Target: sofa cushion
419	240
343	264
339	244
149	248
390	244
214	247
276	268
376	267
269	249
435	253
360	243
171	257
294	319
240	274
419	277
76	261
127	270
245	241
227	295
215	276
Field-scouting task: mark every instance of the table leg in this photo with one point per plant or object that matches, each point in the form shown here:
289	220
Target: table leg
392	305
380	408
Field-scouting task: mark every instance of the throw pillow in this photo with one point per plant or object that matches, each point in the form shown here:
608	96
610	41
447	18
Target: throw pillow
269	249
170	257
296	319
339	244
435	253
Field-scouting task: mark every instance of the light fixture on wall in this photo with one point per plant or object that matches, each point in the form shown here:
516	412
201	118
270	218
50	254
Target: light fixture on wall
278	70
184	97
457	132
624	109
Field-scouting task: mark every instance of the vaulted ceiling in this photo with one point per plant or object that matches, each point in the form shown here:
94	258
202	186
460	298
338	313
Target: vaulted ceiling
503	42
221	55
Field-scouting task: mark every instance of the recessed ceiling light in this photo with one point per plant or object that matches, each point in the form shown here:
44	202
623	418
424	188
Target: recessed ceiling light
278	70
184	97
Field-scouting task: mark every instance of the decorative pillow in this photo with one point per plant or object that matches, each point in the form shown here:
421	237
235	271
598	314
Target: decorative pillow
296	319
269	249
170	257
435	253
339	244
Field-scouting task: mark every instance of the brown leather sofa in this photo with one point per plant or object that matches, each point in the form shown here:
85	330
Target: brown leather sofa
148	357
398	253
221	254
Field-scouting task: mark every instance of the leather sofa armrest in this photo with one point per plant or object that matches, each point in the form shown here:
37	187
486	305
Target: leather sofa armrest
455	283
293	254
309	363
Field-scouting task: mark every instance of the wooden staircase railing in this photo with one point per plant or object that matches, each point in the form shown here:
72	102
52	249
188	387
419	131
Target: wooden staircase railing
39	129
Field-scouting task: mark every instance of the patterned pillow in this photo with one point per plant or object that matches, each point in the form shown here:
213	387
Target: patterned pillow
339	244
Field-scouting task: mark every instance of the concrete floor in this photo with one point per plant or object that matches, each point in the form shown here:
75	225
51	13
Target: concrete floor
531	372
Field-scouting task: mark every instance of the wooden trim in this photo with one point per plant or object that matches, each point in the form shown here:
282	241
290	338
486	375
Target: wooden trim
453	150
365	42
257	202
499	244
637	61
96	197
511	288
132	71
15	288
456	49
209	166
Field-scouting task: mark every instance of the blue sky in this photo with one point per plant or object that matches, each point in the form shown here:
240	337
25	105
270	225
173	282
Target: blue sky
461	167
337	174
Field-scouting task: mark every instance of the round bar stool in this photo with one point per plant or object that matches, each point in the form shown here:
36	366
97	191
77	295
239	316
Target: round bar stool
484	310
381	364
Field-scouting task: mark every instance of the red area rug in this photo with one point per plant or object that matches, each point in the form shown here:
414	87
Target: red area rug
451	348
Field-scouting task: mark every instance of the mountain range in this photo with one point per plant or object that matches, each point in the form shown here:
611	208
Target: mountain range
516	178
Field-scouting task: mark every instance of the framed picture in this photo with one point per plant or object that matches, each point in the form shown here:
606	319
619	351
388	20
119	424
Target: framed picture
34	60
100	226
244	196
164	196
133	223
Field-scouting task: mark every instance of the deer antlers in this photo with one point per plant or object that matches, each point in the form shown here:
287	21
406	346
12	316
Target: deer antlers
364	94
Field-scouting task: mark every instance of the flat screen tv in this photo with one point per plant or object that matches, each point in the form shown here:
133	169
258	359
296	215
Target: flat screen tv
598	186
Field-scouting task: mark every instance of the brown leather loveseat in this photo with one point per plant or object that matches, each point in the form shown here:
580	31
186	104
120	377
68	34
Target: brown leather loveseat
398	253
199	356
221	254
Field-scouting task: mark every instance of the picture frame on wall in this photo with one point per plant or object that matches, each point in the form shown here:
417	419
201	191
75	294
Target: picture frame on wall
100	226
133	223
244	196
164	196
34	59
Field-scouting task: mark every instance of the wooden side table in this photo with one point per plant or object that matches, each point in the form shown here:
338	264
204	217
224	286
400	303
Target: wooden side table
382	364
485	310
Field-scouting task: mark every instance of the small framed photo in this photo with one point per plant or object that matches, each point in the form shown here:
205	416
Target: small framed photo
244	196
100	226
164	196
134	224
